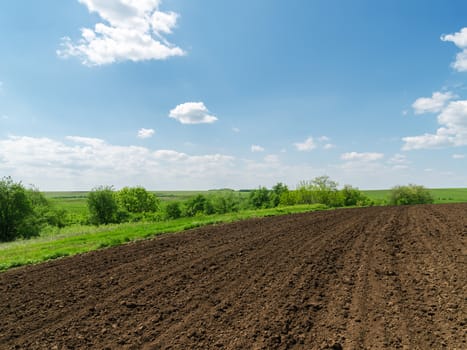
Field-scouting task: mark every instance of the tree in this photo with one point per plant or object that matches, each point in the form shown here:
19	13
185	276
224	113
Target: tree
17	216
102	205
137	200
410	194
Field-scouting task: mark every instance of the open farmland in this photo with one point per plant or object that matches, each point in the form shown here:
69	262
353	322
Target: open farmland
372	278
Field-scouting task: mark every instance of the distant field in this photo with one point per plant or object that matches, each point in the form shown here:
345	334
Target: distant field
441	195
75	202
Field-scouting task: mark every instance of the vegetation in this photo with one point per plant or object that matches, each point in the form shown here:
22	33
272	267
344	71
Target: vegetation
410	194
17	215
102	204
51	225
137	200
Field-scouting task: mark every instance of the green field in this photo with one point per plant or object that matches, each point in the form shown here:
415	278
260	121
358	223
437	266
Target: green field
75	202
441	195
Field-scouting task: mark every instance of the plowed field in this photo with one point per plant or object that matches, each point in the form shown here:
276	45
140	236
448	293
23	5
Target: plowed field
374	278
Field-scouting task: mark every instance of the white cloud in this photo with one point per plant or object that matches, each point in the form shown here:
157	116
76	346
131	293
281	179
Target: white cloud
399	159
362	157
83	163
458	156
453	130
324	138
257	148
131	30
145	133
329	146
235	129
271	158
460	40
433	104
192	113
306	145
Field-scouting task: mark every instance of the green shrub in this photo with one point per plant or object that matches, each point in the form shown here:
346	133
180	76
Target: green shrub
137	200
410	194
198	205
102	205
225	202
17	215
173	211
260	198
352	196
277	192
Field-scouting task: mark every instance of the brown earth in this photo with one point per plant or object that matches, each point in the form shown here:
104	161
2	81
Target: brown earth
375	278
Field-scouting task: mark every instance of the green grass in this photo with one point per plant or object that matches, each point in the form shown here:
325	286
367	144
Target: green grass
441	195
79	239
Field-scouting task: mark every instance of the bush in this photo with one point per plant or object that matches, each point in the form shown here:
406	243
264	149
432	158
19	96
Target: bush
137	200
278	191
198	205
17	215
173	211
352	196
319	190
102	205
260	198
410	194
227	202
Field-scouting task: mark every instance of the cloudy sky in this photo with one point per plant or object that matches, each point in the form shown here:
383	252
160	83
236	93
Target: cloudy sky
201	94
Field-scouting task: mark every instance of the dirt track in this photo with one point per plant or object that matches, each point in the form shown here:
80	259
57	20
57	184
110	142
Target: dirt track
376	278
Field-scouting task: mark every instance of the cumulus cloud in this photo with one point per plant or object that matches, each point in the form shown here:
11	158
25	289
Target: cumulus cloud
131	30
257	148
453	130
306	145
458	156
82	163
460	40
145	133
362	157
433	104
399	161
192	113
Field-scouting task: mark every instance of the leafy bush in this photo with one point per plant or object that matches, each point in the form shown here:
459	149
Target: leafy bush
225	202
352	196
102	205
198	205
173	211
260	198
277	192
137	200
321	190
17	215
410	194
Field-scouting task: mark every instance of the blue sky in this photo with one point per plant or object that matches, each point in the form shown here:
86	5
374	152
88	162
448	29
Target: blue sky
173	94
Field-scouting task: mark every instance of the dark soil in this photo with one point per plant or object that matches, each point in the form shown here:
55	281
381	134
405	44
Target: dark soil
374	278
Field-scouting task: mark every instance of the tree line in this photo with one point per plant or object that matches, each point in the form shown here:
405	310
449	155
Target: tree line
25	211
